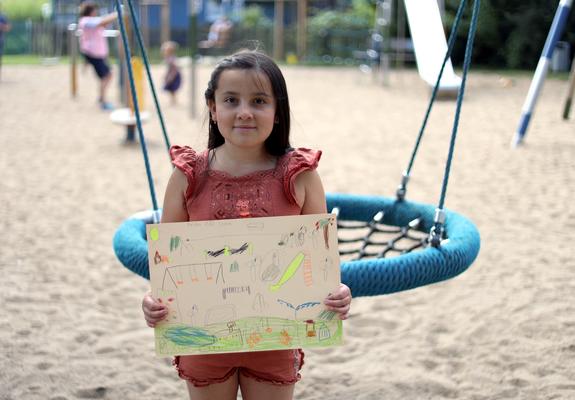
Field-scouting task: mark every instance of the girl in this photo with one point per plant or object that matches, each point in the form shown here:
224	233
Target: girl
94	46
248	170
173	77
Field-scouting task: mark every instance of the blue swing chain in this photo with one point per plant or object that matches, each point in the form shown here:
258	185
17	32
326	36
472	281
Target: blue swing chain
436	233
136	25
136	108
402	188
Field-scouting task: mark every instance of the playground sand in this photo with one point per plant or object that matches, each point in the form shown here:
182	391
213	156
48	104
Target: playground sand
72	327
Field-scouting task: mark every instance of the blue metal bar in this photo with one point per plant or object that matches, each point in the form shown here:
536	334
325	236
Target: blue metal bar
555	33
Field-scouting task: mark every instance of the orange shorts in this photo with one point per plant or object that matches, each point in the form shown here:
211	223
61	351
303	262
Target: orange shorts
278	367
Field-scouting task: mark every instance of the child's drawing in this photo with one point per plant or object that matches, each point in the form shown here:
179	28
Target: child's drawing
245	284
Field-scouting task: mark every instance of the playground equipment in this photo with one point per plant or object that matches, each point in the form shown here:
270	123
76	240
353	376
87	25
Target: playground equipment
555	32
126	116
430	45
427	39
570	90
164	18
450	247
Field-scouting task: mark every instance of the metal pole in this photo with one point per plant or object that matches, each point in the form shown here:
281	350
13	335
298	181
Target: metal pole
543	65
569	98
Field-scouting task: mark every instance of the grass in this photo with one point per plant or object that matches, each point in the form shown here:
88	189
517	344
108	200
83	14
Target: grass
28	59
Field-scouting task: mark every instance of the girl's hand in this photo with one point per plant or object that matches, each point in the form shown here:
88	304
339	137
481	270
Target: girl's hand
154	311
339	301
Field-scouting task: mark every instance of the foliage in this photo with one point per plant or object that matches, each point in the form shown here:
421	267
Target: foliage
340	32
359	16
253	17
23	9
510	33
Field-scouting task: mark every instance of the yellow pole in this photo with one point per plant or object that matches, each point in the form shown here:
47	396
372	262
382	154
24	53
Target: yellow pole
138	70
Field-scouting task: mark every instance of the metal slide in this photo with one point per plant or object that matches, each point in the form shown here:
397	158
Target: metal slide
430	45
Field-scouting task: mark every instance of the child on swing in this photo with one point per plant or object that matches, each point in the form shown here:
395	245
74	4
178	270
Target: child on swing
248	170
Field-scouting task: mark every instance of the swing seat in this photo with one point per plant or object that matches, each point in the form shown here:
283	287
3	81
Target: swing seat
126	117
365	277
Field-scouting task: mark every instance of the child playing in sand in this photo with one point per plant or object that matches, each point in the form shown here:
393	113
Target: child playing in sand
250	157
173	77
94	46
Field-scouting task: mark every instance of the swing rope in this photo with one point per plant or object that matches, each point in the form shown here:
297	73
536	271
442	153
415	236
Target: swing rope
366	277
402	189
136	107
148	73
437	231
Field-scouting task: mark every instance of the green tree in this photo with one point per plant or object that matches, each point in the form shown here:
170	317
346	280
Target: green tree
23	9
510	33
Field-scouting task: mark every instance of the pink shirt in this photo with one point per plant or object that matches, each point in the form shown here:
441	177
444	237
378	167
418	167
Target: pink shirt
92	41
217	195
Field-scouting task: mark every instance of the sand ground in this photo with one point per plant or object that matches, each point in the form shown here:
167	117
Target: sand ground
72	328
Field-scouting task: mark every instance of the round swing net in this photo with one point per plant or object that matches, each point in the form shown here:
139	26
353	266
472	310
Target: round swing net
386	244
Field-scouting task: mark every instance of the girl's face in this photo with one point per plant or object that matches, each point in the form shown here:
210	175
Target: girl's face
244	108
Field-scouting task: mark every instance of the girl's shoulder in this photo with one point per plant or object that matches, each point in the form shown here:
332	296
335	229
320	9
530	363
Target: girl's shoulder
300	159
293	164
188	160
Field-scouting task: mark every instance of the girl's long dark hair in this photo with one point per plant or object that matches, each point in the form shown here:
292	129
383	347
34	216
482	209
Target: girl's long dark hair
278	142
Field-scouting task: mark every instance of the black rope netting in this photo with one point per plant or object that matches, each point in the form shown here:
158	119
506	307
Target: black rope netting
360	240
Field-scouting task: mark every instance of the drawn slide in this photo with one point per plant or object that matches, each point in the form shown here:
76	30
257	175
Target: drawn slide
430	44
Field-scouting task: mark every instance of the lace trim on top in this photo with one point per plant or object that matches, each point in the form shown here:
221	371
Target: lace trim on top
288	167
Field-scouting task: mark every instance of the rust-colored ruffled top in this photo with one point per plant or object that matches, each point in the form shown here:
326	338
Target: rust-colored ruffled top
215	194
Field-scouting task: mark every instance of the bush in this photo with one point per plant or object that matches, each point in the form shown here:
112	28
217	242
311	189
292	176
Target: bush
338	33
510	33
23	9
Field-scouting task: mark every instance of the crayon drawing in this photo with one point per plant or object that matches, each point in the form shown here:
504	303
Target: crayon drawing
245	284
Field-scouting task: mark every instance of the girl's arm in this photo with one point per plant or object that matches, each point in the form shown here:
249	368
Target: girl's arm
311	196
174	210
108	19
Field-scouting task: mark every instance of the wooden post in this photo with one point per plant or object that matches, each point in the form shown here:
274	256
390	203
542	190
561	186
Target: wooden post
165	18
144	23
195	7
400	42
570	90
301	29
279	30
73	42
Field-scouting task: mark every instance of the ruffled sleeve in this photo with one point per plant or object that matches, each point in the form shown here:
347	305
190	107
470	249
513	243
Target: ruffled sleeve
188	161
296	162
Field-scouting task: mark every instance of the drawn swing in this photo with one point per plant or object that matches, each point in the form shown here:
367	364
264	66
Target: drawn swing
443	243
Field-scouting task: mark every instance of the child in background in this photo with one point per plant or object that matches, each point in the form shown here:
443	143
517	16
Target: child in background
248	170
94	46
4	27
173	77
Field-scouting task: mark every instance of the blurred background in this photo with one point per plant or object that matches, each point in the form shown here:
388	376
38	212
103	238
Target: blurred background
511	33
